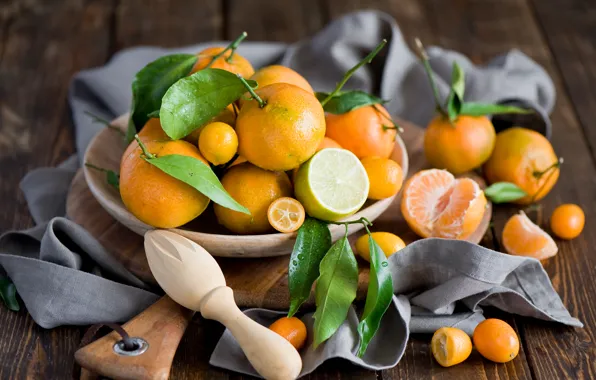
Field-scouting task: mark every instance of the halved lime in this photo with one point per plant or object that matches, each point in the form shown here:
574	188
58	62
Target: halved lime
332	184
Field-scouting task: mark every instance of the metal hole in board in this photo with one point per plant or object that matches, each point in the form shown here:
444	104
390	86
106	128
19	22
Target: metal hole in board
140	346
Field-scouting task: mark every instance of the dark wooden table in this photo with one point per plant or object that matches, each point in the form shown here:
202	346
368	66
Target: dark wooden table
44	42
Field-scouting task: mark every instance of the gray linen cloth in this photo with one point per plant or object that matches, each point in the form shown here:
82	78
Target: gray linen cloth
65	277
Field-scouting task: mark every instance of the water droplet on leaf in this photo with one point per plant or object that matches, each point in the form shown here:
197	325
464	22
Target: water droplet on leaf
384	263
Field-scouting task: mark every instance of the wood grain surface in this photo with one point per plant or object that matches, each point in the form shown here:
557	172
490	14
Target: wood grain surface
44	42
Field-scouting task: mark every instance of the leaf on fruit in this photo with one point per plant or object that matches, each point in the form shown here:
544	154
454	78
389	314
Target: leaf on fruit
503	192
197	174
482	109
378	296
456	95
313	241
8	293
348	101
151	83
153	115
194	100
335	289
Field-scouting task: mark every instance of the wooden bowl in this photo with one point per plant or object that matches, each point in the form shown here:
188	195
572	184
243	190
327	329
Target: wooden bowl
105	151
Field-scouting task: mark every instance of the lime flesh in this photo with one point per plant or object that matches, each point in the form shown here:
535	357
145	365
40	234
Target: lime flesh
332	185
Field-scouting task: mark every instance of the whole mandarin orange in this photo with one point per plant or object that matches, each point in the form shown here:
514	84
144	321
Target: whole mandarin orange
280	74
496	340
526	158
567	221
255	189
285	132
237	64
155	197
151	131
363	131
459	147
385	177
291	329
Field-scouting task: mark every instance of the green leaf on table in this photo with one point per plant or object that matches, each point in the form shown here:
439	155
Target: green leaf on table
335	290
482	109
194	100
197	174
456	95
348	101
503	192
150	85
8	293
378	296
153	115
313	241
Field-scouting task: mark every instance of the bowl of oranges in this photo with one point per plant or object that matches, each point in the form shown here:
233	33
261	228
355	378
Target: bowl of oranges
236	159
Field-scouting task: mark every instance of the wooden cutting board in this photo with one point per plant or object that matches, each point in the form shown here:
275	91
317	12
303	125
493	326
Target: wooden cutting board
258	282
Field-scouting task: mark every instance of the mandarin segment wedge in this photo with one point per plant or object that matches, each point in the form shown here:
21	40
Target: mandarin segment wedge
521	237
436	204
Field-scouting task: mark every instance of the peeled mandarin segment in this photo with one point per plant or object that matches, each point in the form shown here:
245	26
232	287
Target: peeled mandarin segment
421	199
463	210
286	214
450	346
522	237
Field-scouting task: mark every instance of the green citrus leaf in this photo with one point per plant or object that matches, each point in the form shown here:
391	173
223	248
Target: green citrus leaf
335	290
8	293
503	192
194	100
153	115
348	101
378	296
151	83
313	241
197	174
113	179
482	109
456	95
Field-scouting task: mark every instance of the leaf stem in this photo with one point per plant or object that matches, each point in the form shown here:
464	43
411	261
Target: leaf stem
232	46
385	127
146	153
362	221
350	72
539	174
235	109
90	165
254	95
429	73
97	119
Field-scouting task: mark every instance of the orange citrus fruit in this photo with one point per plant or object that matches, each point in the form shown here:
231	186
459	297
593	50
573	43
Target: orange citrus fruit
567	221
155	197
364	131
385	177
459	147
450	346
286	214
226	116
526	158
255	189
151	131
238	160
280	74
521	237
218	143
291	329
285	132
436	204
388	242
237	64
496	340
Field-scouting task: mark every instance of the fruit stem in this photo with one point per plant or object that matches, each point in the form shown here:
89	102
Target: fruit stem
362	221
232	46
349	73
386	127
539	174
254	95
236	111
429	73
146	153
97	119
